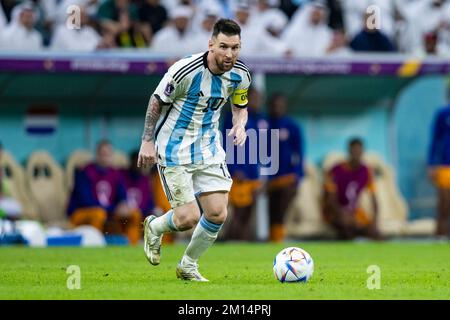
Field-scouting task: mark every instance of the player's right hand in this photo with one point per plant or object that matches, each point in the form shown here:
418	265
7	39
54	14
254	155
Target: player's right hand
147	154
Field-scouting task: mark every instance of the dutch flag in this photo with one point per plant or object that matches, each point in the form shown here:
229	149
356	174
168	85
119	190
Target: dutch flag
41	120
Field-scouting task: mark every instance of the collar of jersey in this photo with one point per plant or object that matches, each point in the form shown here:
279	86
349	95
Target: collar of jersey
205	63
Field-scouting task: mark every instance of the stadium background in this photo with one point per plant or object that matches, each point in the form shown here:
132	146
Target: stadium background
393	113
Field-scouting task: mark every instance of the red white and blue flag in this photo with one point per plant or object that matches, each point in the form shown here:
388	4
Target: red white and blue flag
41	120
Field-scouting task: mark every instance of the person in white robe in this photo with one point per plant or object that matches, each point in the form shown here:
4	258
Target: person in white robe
308	33
19	34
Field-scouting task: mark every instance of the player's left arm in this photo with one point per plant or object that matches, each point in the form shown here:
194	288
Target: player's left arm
240	116
239	101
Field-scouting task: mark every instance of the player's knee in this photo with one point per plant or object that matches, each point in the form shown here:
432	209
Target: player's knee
187	222
186	218
217	214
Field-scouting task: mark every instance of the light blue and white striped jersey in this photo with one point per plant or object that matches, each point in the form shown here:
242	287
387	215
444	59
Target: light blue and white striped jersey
187	131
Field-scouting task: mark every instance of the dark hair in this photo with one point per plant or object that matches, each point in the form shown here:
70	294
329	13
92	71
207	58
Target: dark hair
355	141
227	27
102	143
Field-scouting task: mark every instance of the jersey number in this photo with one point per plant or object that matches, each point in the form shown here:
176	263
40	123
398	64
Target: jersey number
213	104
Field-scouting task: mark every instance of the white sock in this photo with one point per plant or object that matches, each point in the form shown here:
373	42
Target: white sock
163	224
204	235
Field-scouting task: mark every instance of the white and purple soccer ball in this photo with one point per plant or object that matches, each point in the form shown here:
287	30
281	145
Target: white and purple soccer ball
293	265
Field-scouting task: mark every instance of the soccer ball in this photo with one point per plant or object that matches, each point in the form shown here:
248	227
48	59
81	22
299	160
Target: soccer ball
293	265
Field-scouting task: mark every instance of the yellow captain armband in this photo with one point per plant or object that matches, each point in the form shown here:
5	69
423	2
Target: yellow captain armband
240	97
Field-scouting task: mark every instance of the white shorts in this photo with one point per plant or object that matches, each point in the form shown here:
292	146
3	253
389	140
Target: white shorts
183	183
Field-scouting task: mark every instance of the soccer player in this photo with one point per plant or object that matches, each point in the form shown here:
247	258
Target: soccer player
182	135
439	168
283	185
344	184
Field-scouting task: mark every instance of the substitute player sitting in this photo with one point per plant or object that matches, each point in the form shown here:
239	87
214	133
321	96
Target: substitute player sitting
182	135
344	184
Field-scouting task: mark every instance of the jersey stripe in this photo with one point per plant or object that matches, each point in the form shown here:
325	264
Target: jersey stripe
239	67
163	120
240	63
180	76
163	179
236	78
216	91
183	121
187	66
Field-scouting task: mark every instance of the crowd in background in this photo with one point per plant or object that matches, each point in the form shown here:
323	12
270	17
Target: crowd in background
269	27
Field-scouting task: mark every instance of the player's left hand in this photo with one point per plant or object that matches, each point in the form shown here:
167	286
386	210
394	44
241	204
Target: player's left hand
240	135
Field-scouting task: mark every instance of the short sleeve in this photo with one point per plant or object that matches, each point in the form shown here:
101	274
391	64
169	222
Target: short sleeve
166	92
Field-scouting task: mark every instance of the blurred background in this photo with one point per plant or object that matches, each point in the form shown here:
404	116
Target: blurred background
76	76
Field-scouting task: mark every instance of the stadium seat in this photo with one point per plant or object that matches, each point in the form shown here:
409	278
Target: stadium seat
392	208
304	217
15	179
120	160
77	159
46	182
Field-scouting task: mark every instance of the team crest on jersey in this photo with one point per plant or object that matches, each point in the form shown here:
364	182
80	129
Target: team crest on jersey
230	90
169	89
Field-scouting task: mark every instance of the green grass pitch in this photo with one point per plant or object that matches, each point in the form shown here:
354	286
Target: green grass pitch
236	271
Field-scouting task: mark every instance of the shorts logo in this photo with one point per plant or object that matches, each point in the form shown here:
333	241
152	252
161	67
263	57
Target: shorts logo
169	89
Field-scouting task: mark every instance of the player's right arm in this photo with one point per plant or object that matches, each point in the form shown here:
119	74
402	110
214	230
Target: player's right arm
147	153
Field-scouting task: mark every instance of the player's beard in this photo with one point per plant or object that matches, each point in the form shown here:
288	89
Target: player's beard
225	66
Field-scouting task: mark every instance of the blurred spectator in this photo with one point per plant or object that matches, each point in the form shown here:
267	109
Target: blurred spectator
86	38
339	44
62	7
10	208
354	10
174	38
7	7
308	33
99	197
263	11
20	34
371	39
249	32
199	38
267	41
439	167
289	7
344	184
424	26
246	176
154	15
3	20
119	19
226	7
283	186
335	18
